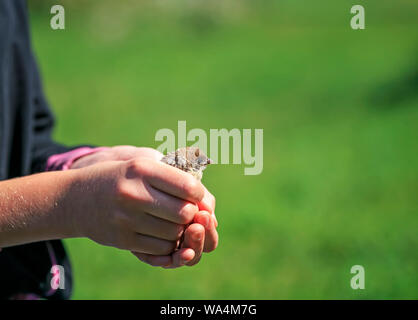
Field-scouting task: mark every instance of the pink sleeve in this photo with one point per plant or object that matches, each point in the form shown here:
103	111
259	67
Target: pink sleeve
63	161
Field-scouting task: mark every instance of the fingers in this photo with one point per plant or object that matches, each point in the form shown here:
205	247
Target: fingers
194	238
189	254
191	251
170	180
146	244
164	190
176	260
168	188
208	202
149	225
181	257
152	260
211	235
124	153
147	153
170	208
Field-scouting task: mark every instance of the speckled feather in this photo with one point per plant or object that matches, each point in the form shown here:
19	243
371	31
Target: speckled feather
188	159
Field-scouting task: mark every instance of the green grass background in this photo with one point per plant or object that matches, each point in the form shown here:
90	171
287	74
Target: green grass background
339	109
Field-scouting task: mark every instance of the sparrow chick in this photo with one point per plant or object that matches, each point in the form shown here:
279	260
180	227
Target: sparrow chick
188	159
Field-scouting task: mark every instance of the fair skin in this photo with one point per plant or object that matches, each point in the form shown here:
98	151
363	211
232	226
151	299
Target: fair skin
122	197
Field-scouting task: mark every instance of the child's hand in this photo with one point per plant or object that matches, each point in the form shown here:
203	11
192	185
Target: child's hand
139	205
198	237
118	153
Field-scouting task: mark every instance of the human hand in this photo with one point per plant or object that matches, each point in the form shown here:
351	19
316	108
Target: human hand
191	250
139	205
117	153
200	236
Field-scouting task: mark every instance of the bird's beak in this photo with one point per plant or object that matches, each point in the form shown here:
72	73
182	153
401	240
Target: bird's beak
209	161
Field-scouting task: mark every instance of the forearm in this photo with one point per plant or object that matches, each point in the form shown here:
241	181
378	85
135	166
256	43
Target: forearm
36	208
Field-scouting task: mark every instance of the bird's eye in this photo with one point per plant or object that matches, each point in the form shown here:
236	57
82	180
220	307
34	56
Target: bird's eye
197	152
202	160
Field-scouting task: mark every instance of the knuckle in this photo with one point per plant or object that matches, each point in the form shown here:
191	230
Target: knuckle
187	213
139	166
125	192
193	188
122	190
197	232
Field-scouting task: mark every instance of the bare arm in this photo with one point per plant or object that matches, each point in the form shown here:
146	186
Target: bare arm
208	235
35	208
141	205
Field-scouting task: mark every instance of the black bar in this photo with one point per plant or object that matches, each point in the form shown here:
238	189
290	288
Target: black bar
208	309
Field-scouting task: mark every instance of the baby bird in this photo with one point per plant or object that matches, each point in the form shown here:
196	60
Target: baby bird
188	159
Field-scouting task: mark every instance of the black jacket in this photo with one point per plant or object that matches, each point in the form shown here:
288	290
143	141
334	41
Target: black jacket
25	145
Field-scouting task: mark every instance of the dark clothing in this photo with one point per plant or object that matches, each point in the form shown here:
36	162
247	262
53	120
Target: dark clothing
25	119
25	145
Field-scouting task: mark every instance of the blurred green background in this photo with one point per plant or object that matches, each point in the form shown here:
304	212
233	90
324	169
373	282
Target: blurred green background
339	109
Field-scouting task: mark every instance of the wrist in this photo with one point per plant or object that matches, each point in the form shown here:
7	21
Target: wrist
66	208
88	196
71	207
